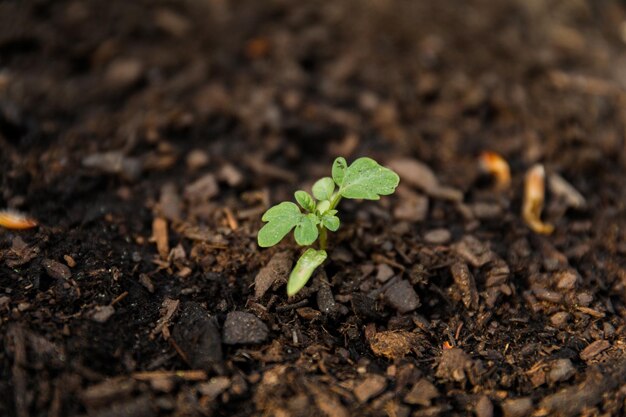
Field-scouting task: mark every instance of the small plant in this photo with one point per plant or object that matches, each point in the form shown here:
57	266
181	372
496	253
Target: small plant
364	179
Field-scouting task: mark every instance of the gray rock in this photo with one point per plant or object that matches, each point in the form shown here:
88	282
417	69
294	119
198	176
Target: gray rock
402	297
197	335
243	328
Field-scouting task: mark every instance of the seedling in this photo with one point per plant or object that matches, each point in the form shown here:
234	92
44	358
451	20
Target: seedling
364	179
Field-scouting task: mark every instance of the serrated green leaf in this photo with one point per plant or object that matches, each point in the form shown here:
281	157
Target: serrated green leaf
323	206
306	230
332	212
281	219
366	179
331	222
305	200
339	170
323	188
303	270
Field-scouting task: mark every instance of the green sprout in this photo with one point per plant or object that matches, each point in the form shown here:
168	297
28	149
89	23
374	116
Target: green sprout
365	179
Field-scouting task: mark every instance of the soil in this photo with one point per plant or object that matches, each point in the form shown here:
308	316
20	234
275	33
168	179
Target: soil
147	139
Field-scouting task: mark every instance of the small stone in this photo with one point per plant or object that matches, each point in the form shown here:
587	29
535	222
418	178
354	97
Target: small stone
584	299
123	72
560	319
197	335
422	393
214	387
170	204
452	365
243	328
517	407
484	407
325	300
56	269
202	189
566	280
231	175
370	387
562	370
437	236
384	273
101	314
594	349
196	159
402	297
486	211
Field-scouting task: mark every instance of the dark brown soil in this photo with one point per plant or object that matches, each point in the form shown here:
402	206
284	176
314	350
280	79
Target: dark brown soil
147	138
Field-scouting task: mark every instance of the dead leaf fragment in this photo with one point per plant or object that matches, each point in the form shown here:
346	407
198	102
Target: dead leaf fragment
393	344
277	270
160	236
534	197
496	165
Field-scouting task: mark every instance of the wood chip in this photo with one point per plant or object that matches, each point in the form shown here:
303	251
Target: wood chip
370	387
594	349
160	236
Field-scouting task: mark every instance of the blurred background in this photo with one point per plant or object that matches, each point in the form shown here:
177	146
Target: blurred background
296	83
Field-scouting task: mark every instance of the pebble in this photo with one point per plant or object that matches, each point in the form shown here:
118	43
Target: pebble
486	211
214	387
422	393
370	387
325	300
203	189
101	314
196	159
123	72
402	297
452	365
243	328
170	203
517	407
196	333
56	269
114	162
384	273
560	319
566	280
484	407
437	236
231	175
561	370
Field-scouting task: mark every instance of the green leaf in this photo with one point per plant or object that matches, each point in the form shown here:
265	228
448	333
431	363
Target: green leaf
323	189
281	219
339	170
305	200
367	180
323	206
306	230
331	222
303	270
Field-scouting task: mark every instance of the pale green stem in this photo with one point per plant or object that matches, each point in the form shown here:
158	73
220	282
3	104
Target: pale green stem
323	233
322	237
